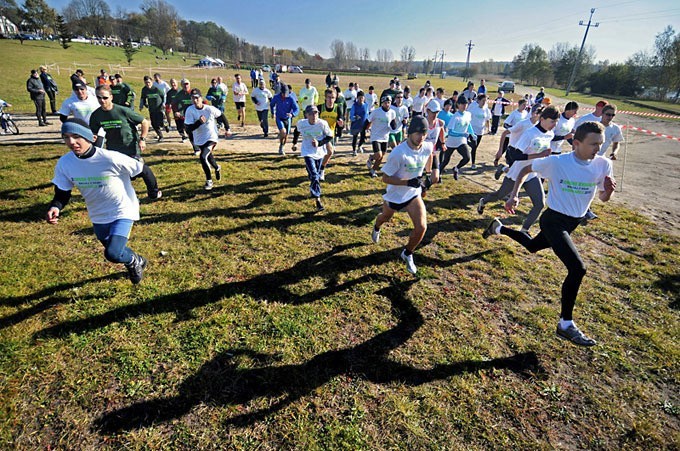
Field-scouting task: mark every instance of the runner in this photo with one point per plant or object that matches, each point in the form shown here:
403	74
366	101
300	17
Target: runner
403	174
574	180
401	113
359	121
261	97
564	130
497	111
152	98
612	132
385	121
159	83
332	113
80	107
240	92
480	121
103	179
510	137
316	149
595	116
419	103
286	109
350	96
215	95
120	128
513	118
123	94
180	102
534	143
408	100
459	128
308	95
371	99
202	120
435	129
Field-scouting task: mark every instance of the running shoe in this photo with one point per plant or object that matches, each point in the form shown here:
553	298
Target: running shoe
155	194
373	173
455	173
281	151
375	235
474	166
574	335
319	205
218	173
369	164
322	175
294	147
491	229
499	171
408	259
208	185
136	268
480	206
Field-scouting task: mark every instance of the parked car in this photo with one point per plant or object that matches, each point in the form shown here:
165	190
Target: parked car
295	69
266	68
412	76
357	68
506	86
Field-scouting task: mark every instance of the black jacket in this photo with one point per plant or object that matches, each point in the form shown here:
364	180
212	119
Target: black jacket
35	87
48	82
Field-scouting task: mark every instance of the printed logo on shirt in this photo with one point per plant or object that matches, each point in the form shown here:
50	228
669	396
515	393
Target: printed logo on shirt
568	186
112	124
90	182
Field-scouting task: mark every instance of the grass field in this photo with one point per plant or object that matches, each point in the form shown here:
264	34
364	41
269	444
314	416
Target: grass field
261	325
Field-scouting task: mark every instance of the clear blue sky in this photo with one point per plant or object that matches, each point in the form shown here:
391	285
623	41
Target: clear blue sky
498	28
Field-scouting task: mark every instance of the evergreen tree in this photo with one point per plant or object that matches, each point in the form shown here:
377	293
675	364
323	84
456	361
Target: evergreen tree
62	31
129	50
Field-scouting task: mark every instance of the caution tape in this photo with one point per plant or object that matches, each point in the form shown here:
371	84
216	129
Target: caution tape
649	132
633	113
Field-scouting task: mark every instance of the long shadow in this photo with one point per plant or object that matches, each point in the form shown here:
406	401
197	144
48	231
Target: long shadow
221	382
41	159
14	194
52	290
670	283
330	265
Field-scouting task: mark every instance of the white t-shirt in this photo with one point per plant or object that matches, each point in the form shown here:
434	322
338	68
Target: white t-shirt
434	131
263	97
350	97
572	182
498	106
533	141
207	131
380	120
405	163
401	113
563	128
164	88
104	182
440	101
80	109
612	134
479	117
371	100
590	117
408	102
515	117
223	87
459	127
319	130
517	130
240	91
419	103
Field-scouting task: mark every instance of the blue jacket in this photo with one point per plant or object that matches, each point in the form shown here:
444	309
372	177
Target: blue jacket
358	115
283	106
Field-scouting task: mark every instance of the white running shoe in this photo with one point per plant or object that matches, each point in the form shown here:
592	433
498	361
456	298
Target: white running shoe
480	206
372	173
322	175
369	164
208	185
408	259
375	235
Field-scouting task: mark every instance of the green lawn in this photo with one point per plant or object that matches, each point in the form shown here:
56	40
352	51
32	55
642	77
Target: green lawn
262	325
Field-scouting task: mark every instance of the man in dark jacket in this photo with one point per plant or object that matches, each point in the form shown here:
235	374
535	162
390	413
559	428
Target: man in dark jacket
50	87
497	111
35	87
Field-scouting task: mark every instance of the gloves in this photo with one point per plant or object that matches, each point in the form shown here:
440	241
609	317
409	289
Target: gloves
414	182
425	182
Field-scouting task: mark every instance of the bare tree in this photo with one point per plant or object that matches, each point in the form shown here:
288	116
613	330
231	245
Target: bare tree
92	17
352	53
163	23
338	52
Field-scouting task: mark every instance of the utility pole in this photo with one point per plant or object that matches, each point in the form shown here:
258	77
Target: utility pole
434	62
441	65
469	45
580	52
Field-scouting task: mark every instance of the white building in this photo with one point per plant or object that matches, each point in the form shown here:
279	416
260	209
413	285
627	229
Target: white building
7	28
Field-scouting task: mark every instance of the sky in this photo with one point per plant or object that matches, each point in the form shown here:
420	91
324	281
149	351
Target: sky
497	28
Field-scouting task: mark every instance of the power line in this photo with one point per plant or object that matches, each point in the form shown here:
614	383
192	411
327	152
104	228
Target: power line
580	52
469	46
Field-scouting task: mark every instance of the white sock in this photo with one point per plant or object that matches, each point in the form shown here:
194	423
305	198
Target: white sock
497	230
565	323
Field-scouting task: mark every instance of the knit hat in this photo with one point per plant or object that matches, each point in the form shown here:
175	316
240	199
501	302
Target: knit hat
77	127
418	125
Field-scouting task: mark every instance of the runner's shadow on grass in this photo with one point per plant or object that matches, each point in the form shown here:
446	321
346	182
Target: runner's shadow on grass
670	284
223	382
42	159
18	193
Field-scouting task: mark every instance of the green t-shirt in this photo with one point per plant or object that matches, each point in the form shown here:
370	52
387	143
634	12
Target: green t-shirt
122	94
217	96
120	125
181	102
169	96
153	98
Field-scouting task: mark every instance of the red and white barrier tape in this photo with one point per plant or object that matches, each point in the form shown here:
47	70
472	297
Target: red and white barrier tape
634	113
649	132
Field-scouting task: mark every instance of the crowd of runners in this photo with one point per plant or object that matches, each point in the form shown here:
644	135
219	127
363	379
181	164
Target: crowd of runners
409	139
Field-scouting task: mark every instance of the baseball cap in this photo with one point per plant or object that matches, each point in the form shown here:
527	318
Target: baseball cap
434	106
195	92
386	98
311	109
78	86
185	81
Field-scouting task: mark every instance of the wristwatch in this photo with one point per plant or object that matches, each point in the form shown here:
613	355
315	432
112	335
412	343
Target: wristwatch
142	138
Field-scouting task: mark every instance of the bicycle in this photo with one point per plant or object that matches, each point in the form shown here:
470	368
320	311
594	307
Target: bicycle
8	124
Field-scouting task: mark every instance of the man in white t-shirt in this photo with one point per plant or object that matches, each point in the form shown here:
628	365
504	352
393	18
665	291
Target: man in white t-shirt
574	178
161	84
403	174
201	120
350	96
262	97
103	178
382	121
612	132
81	106
564	130
419	103
316	149
240	91
595	116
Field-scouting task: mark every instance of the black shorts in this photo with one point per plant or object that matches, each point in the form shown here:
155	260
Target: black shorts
379	146
240	105
401	206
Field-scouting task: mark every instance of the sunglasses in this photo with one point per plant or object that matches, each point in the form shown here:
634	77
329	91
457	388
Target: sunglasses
610	114
103	98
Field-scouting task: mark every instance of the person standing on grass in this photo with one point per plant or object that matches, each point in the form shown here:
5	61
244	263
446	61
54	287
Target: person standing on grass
574	179
497	111
612	132
358	116
534	143
35	88
103	178
381	122
481	115
262	97
283	108
50	86
120	128
316	149
152	98
202	120
403	175
240	91
564	130
459	129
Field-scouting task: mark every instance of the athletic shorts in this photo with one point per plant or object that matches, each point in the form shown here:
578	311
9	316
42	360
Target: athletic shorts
401	206
283	124
379	146
240	105
398	137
